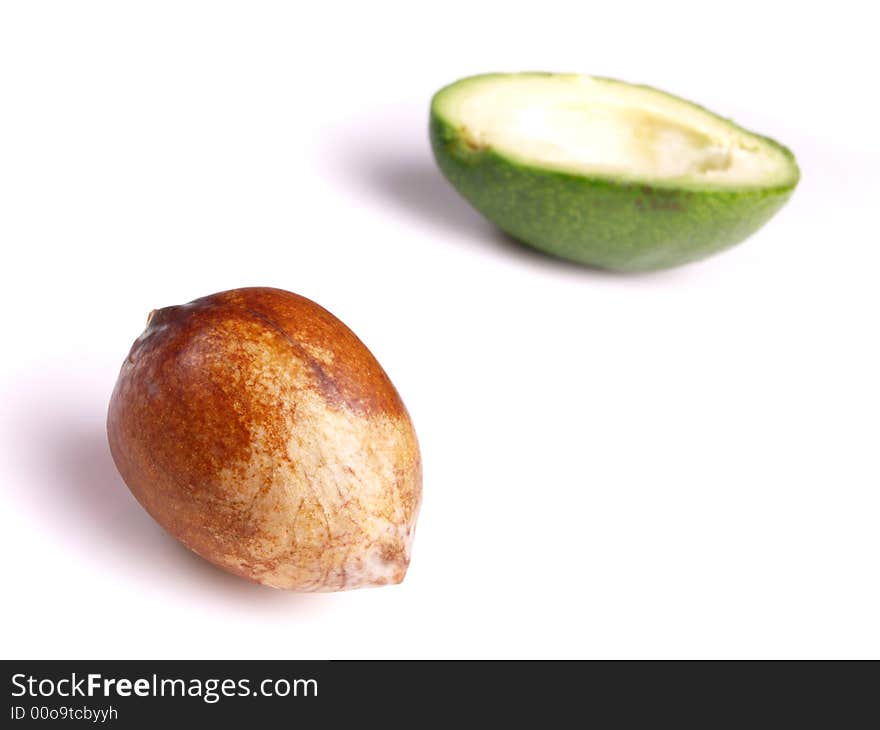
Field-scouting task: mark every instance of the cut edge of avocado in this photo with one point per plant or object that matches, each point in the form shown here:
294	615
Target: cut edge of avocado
605	129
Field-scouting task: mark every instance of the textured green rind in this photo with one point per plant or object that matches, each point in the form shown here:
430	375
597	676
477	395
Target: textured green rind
610	224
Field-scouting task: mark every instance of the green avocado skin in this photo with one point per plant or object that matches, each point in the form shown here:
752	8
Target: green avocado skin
621	226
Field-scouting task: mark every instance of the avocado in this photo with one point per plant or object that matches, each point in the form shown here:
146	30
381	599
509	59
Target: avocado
606	173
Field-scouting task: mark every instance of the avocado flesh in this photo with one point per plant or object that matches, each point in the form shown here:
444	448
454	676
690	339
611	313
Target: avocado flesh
606	173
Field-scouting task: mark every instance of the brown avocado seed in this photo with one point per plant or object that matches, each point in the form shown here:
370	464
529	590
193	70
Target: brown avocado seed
258	430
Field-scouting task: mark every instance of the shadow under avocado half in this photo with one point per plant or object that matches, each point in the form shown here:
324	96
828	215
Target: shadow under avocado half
418	187
604	173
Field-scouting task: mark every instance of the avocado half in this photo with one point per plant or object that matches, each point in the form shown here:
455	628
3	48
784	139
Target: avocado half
603	172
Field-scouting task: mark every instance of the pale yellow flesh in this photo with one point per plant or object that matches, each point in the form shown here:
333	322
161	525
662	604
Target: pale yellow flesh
608	128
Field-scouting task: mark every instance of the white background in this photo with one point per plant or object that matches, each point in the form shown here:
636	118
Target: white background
682	464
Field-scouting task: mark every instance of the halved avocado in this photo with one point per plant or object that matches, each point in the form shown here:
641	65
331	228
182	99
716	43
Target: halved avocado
603	172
